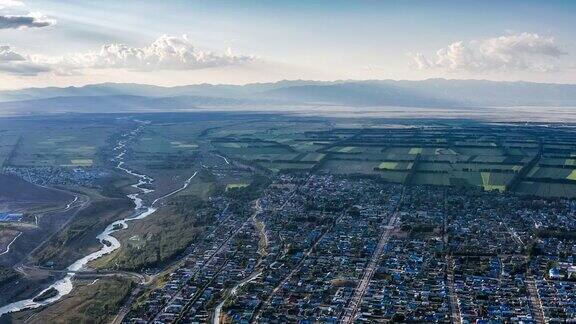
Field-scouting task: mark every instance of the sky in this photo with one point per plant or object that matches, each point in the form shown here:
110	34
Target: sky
62	43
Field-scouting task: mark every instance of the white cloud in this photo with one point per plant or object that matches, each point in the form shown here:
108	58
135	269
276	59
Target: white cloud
7	54
10	4
16	63
165	53
512	52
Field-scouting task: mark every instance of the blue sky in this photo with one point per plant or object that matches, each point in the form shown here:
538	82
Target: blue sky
61	42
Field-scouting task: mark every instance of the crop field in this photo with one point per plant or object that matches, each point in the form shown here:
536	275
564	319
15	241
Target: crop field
40	149
435	166
279	166
376	157
489	157
544	189
395	165
236	185
436	179
349	167
346	149
8	142
528	159
551	173
312	157
53	143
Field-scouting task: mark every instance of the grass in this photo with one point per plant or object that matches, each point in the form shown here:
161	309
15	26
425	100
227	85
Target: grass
279	166
231	145
346	149
572	175
444	151
350	167
236	185
487	185
178	144
312	157
437	179
76	239
81	163
71	146
415	150
387	165
154	241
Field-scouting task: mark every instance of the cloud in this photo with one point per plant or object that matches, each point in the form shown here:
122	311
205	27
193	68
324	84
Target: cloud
32	20
7	54
165	53
23	68
10	4
14	15
15	63
512	52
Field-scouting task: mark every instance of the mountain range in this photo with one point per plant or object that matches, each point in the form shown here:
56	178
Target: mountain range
124	97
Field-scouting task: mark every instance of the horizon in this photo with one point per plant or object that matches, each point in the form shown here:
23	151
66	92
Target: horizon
285	80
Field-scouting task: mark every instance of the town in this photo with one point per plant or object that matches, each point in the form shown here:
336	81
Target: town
322	248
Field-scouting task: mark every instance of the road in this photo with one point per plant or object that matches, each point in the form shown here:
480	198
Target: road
11	242
455	313
354	305
218	310
219	250
535	302
257	312
261	228
262	251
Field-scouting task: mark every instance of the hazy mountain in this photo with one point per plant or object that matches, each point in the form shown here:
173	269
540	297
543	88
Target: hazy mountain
115	103
358	94
113	97
131	89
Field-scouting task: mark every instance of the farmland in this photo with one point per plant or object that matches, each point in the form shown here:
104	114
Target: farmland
528	159
225	158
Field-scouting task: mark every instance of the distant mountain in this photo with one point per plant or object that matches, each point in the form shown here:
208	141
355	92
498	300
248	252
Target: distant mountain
131	89
491	93
115	103
117	97
358	94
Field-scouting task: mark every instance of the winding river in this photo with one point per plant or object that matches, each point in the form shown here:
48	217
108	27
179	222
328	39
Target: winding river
109	243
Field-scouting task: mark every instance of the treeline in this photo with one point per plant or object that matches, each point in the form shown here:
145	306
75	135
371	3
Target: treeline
183	222
250	192
104	304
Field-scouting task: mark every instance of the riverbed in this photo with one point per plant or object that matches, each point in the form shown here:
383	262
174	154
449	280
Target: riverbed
109	243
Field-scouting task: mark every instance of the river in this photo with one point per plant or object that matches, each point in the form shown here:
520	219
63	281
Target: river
109	243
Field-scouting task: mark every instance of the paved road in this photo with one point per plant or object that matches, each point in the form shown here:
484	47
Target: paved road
257	312
352	309
221	247
454	302
535	301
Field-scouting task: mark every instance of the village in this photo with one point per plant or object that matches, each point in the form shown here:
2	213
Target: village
343	249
